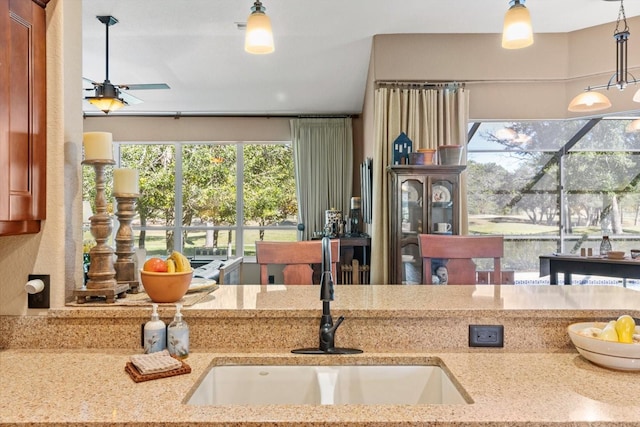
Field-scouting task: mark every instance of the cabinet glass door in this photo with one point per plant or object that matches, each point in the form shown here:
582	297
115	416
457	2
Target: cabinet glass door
442	207
412	214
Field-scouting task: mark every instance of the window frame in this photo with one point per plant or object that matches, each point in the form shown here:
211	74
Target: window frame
239	228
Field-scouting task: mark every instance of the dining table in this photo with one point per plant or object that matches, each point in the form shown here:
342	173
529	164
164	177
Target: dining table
551	265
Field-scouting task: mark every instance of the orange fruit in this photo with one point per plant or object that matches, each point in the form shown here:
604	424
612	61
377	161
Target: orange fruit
155	264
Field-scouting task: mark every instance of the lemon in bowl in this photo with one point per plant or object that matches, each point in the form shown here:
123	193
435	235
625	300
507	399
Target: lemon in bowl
588	339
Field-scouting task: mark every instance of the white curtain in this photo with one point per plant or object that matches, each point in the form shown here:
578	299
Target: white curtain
323	159
429	117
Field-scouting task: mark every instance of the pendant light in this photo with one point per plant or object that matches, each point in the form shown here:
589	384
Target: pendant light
258	37
589	101
517	31
595	101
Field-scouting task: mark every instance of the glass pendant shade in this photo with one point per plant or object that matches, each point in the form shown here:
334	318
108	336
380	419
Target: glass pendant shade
589	101
259	37
633	127
636	97
106	104
517	31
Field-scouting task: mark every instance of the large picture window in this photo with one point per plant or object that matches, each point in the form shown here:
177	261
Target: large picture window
554	186
208	199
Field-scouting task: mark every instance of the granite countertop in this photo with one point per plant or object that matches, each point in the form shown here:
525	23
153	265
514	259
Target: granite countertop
82	387
65	366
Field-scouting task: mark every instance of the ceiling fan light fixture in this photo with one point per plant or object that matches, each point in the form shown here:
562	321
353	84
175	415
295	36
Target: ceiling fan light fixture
259	36
107	98
106	104
589	101
517	31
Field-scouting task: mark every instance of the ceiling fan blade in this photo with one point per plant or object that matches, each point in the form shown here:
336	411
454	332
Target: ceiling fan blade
90	81
129	99
145	86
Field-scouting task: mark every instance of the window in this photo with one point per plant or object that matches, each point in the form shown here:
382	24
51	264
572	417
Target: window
208	199
554	186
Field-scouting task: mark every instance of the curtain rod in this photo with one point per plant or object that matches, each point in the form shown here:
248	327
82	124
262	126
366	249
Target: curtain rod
421	84
179	115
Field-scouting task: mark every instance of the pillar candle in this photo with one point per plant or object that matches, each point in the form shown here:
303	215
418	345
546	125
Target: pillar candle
355	203
125	181
98	146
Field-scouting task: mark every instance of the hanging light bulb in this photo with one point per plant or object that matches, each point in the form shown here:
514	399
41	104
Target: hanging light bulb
258	37
517	31
589	101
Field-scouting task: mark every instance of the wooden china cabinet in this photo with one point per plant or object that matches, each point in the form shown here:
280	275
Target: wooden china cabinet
23	127
421	197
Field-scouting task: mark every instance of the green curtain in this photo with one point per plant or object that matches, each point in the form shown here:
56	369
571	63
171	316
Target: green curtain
323	160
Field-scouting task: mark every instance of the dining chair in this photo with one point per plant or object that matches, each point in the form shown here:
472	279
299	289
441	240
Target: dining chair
458	253
297	258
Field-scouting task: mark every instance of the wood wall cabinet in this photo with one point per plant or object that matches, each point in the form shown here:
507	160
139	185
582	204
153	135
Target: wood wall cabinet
420	198
22	116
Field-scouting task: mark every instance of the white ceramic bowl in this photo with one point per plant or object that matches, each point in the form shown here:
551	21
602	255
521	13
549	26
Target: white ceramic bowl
609	354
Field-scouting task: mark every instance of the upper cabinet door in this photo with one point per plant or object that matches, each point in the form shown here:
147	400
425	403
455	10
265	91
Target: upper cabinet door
22	117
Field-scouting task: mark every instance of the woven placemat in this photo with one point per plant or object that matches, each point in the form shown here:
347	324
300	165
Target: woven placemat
138	377
142	299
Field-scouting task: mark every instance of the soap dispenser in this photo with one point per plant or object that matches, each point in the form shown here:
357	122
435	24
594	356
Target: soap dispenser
178	342
155	333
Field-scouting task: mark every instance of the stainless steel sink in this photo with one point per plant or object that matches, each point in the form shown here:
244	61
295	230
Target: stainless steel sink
327	385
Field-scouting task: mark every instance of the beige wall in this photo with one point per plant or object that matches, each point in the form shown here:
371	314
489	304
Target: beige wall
191	129
547	75
537	82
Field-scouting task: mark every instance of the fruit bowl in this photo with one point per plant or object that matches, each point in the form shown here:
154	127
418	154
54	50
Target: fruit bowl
614	355
166	287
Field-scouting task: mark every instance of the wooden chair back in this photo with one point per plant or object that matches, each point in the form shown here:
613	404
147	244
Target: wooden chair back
297	258
460	251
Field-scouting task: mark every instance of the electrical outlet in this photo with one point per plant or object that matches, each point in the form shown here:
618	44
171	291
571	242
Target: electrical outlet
486	336
41	299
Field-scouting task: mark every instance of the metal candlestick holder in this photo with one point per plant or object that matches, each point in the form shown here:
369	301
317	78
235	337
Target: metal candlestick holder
125	266
101	274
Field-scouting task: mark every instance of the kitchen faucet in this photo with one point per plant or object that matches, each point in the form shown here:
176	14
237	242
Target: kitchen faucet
327	327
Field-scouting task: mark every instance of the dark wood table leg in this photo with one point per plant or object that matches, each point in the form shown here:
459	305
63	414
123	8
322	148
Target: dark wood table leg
567	278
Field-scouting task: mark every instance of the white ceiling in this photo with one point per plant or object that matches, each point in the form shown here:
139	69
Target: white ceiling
322	47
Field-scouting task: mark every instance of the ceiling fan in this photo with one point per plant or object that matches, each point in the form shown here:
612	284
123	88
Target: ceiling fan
107	96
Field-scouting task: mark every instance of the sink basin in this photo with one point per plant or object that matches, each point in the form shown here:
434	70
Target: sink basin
326	385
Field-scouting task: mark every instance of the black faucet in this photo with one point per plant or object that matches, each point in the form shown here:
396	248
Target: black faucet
327	333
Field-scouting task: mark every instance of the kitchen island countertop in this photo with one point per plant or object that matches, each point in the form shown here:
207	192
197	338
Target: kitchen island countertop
81	387
65	366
